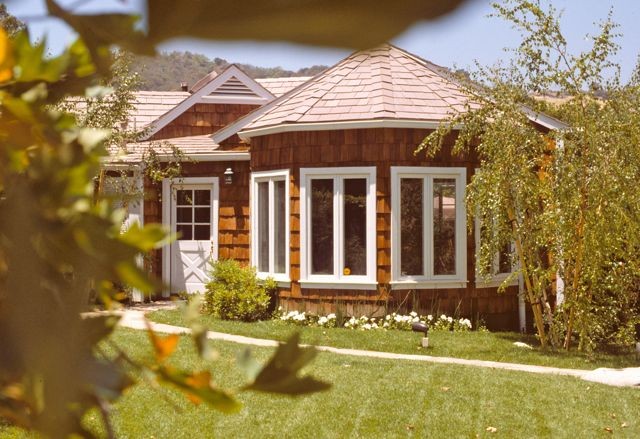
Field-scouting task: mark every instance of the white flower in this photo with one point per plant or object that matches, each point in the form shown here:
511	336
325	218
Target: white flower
364	318
429	317
366	326
386	325
450	319
416	319
443	317
322	320
387	317
331	316
374	326
398	318
413	314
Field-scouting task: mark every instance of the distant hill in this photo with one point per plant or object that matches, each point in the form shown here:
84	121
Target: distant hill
166	71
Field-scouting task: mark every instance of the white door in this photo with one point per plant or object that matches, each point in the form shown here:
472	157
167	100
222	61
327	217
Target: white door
194	218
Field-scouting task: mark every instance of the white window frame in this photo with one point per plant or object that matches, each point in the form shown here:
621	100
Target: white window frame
428	280
337	280
270	177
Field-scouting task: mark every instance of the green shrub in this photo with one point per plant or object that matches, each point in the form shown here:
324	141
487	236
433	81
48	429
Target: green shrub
235	293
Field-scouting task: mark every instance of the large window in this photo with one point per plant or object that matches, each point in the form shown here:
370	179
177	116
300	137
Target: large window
428	227
338	227
270	225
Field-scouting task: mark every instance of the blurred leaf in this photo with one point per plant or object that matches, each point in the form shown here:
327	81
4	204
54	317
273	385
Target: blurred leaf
99	32
97	327
6	57
163	347
199	331
354	23
199	388
280	374
248	364
145	238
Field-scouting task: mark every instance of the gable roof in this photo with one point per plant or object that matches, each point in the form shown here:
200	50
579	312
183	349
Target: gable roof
232	86
384	86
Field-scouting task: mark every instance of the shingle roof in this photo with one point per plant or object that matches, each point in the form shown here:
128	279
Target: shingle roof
150	105
381	83
280	86
191	146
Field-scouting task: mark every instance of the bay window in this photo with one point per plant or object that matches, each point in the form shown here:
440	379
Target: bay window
270	225
338	227
428	227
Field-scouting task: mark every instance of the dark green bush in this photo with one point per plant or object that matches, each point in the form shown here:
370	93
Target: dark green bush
235	293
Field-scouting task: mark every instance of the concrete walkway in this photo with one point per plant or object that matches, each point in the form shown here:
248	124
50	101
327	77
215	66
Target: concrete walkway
134	318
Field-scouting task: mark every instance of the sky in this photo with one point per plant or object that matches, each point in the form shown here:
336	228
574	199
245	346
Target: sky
456	40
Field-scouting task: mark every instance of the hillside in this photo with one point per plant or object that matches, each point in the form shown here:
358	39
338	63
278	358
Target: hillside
169	69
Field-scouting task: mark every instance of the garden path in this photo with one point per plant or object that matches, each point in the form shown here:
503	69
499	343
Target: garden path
133	317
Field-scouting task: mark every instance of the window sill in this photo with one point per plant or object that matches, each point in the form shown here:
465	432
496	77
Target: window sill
494	281
339	284
427	284
282	280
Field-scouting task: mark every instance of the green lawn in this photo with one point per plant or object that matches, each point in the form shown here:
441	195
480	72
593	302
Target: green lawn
378	398
472	345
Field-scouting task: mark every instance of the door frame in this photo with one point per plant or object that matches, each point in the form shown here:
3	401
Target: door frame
167	184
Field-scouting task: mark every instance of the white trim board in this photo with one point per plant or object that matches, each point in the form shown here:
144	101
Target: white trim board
343	125
427	174
337	279
166	220
270	177
263	96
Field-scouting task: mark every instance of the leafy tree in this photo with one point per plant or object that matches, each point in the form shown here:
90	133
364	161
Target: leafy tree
568	199
58	247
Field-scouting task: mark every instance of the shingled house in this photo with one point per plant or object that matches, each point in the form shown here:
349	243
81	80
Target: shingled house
314	182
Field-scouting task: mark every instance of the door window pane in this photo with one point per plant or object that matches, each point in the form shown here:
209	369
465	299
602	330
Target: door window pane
322	226
185	232
263	226
203	215
184	197
201	232
444	226
355	226
411	227
202	197
279	218
184	214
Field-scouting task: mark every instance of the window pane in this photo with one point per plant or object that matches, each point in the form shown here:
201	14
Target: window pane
202	197
411	227
185	232
203	215
184	214
504	260
184	197
263	226
322	226
444	226
355	226
279	217
201	233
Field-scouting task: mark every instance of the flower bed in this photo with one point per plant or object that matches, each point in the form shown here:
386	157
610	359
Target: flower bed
365	323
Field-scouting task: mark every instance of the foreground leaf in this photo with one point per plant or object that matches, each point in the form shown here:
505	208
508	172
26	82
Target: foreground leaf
280	374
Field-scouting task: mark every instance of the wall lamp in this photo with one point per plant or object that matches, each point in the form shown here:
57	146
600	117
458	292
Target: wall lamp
228	176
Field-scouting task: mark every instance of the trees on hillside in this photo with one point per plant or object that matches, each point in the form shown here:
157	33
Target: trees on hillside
567	199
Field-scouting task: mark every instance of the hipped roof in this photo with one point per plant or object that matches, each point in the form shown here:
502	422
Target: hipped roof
385	83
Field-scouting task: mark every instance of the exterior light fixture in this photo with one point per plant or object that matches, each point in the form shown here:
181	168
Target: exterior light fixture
228	176
421	327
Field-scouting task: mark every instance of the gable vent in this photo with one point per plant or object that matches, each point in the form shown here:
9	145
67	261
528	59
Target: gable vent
233	86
